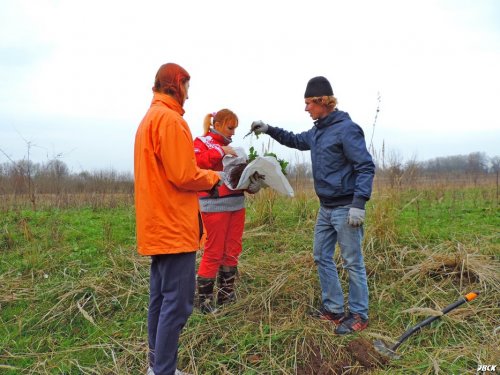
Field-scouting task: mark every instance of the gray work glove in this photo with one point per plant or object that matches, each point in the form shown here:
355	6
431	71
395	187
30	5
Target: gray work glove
356	216
256	182
259	127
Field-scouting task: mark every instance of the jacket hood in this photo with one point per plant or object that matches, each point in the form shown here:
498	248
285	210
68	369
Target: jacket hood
331	119
167	100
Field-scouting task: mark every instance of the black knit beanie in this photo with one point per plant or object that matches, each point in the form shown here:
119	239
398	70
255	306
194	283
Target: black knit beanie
318	86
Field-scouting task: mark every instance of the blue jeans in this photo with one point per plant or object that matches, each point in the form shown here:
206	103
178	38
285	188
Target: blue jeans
171	284
331	227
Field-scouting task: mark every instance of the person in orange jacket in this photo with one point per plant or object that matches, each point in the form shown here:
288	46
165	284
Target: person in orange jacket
223	213
168	219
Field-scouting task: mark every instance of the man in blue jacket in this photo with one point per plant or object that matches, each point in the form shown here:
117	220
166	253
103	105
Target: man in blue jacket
343	172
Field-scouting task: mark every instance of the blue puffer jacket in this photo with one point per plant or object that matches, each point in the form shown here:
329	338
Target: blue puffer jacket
342	167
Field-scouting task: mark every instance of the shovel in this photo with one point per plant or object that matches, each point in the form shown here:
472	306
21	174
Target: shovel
390	350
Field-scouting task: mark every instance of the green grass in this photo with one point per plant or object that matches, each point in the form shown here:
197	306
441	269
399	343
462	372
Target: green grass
464	215
74	291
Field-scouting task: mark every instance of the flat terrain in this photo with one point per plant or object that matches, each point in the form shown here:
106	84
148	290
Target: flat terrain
74	292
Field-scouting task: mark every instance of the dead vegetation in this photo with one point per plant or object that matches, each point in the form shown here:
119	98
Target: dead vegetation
62	313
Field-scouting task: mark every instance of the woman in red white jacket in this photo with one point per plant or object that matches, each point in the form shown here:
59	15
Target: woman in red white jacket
223	213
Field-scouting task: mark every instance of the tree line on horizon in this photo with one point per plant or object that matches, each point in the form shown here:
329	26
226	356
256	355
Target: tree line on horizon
54	176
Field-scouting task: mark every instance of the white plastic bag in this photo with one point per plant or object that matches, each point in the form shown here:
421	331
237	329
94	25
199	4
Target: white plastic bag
264	165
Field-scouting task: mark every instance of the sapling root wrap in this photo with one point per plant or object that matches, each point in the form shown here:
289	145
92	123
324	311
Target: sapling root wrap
237	172
234	174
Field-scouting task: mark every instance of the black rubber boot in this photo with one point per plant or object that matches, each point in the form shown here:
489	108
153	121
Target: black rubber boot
206	295
225	281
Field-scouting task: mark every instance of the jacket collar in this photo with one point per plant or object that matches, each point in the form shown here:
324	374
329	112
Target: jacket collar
167	100
221	138
331	119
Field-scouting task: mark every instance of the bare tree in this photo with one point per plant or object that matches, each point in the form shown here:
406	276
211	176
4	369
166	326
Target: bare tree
476	165
58	171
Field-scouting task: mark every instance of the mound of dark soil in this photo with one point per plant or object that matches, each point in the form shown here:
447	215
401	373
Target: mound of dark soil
364	352
357	357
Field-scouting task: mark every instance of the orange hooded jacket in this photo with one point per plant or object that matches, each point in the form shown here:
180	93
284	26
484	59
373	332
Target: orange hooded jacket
166	181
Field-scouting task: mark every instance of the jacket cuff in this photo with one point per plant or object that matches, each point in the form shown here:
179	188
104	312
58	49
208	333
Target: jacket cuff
358	202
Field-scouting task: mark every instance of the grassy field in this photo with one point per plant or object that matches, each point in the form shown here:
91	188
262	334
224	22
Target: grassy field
74	292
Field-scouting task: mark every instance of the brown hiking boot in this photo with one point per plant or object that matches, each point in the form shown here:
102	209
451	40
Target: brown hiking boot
352	323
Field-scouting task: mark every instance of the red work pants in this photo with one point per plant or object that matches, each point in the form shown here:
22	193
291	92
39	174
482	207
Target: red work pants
224	238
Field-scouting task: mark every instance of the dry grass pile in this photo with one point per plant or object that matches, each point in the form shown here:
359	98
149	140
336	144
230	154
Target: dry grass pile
460	264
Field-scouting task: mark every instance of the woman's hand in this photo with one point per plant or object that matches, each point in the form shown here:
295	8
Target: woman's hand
228	150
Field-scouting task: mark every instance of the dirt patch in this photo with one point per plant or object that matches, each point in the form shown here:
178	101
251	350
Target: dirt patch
364	352
335	364
357	357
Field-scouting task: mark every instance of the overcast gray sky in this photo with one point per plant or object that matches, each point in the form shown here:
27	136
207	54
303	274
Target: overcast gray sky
76	76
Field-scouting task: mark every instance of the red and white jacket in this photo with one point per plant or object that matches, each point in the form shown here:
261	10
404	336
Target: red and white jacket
209	153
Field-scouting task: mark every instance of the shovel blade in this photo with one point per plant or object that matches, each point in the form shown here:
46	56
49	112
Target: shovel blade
384	349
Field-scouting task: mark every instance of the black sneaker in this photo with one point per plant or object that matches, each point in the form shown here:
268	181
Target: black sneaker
324	314
352	323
